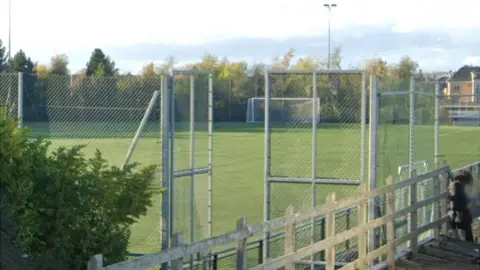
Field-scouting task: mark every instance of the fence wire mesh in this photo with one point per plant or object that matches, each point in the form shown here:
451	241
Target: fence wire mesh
460	123
191	195
337	152
339	133
291	133
405	134
9	95
103	114
393	131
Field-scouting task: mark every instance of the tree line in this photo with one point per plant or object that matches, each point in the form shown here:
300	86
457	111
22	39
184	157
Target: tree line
53	92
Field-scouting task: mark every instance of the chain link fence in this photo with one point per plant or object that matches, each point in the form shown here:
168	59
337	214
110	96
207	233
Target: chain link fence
322	111
105	113
191	154
409	135
99	113
460	123
9	95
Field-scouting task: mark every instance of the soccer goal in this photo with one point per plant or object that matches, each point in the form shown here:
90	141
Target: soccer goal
283	110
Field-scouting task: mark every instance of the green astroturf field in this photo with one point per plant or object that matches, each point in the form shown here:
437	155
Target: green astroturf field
238	183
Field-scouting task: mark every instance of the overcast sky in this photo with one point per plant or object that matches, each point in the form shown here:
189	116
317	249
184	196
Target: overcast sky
439	34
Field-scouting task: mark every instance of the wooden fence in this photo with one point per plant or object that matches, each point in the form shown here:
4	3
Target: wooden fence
439	200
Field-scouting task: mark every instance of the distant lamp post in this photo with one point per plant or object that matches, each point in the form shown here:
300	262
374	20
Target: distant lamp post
330	7
10	31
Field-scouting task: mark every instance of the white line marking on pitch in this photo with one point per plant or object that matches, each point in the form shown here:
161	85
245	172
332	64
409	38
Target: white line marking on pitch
455	132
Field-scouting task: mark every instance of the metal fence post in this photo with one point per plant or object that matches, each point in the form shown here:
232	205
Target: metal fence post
411	142
210	155
266	246
170	85
192	163
436	135
373	156
363	135
20	100
411	138
144	121
314	157
165	128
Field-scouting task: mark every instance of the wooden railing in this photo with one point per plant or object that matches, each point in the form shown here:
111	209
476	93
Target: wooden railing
179	250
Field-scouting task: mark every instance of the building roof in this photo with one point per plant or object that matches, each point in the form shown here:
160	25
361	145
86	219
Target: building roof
443	79
465	73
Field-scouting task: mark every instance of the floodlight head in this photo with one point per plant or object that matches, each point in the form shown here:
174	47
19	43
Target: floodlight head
326	5
334	5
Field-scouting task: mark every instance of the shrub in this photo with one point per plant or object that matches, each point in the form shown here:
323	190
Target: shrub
69	207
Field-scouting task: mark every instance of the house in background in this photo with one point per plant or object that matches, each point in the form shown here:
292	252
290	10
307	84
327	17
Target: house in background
462	93
463	86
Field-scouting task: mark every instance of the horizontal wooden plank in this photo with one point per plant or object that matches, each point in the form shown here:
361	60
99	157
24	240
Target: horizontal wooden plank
421	230
421	177
420	204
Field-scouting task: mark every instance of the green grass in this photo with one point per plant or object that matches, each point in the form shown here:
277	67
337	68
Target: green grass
238	182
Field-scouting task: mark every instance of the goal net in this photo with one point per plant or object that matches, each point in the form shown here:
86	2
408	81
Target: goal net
283	110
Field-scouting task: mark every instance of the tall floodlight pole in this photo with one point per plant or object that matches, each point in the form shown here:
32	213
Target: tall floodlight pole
329	6
10	31
9	64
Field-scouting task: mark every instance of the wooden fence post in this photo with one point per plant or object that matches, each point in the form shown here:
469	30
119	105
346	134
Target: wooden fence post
414	216
177	240
391	225
362	220
242	245
444	181
290	232
330	228
476	181
95	263
436	205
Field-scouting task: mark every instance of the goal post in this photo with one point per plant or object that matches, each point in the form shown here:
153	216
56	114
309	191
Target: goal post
283	110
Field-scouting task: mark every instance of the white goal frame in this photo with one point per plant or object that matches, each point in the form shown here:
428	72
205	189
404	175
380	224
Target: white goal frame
251	104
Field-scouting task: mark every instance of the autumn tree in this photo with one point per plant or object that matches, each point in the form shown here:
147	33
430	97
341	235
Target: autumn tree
59	65
285	61
405	69
42	70
377	67
336	59
166	66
